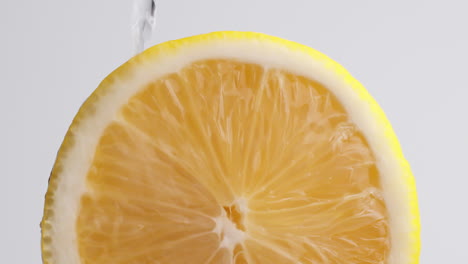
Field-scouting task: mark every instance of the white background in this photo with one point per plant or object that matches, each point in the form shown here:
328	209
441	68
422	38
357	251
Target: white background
411	55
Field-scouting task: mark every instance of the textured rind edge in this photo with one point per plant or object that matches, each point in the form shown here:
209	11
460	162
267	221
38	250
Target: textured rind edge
171	47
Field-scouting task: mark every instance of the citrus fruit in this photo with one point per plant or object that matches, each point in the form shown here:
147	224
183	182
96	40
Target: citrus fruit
230	147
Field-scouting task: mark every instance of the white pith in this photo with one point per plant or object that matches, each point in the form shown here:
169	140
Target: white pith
71	183
231	236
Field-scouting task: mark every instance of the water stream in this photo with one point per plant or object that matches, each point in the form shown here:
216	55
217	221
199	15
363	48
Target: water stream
143	23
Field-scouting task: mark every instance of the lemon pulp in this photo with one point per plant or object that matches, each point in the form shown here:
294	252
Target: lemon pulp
231	162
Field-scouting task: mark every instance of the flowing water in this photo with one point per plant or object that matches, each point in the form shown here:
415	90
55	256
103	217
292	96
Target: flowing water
143	23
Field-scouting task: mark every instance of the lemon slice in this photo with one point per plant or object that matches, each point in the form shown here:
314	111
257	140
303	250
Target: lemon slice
230	147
